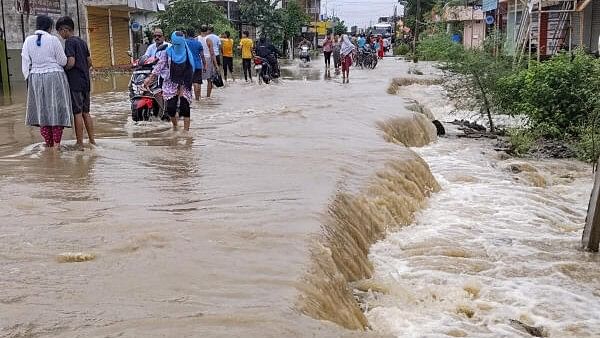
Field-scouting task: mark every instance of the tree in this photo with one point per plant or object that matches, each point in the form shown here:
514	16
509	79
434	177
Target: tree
340	28
294	18
264	15
190	14
473	75
410	12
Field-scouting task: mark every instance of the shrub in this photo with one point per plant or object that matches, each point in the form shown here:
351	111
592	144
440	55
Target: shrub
521	140
438	47
558	96
401	49
588	147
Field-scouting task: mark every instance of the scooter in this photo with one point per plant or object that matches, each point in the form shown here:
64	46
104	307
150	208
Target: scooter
304	55
146	101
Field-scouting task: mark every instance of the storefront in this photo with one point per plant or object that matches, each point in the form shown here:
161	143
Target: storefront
109	38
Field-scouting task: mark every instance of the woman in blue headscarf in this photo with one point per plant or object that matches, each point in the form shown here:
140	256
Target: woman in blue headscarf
176	66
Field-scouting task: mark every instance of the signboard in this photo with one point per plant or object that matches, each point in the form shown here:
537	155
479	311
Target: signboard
38	7
135	26
462	13
489	5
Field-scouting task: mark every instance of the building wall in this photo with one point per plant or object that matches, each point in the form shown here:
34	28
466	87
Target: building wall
474	33
586	34
18	26
591	27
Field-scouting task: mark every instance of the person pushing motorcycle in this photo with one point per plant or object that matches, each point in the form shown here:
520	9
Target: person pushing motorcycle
266	50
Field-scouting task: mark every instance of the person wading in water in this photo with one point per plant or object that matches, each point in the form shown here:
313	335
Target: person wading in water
48	95
178	62
78	67
346	51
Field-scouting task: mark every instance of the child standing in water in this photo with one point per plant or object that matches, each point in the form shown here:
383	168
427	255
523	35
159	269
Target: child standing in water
78	67
227	52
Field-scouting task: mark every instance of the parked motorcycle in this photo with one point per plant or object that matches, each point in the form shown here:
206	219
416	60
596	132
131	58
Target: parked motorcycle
146	102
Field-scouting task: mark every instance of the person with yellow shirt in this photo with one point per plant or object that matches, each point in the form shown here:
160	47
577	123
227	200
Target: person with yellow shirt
227	53
247	47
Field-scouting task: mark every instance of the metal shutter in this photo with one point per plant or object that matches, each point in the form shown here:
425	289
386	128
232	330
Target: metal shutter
120	30
99	36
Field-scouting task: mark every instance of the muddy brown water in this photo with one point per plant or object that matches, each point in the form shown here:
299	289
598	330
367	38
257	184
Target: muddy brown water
197	234
269	219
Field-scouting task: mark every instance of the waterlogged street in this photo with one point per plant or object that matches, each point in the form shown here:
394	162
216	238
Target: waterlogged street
199	234
211	233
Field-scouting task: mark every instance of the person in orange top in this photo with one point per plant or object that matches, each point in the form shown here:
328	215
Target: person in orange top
227	53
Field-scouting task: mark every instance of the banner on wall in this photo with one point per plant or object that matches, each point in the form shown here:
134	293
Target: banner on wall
38	7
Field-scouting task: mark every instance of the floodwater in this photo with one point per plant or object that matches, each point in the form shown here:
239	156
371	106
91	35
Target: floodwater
499	245
203	233
211	233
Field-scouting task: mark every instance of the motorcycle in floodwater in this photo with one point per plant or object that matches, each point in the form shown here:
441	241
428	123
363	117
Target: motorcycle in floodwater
304	56
146	101
265	70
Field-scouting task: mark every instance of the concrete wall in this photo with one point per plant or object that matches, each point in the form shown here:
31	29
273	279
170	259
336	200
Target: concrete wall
18	26
474	33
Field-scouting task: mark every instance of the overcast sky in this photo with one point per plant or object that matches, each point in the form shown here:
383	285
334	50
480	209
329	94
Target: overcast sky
359	12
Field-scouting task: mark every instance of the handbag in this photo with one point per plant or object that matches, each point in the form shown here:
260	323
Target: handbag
217	80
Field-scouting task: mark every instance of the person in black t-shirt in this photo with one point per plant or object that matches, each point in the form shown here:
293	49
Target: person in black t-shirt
78	67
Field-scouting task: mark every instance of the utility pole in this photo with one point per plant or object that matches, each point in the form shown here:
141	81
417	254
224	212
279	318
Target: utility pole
416	34
591	233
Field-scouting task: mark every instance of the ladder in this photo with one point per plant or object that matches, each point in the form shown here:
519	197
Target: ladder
524	33
559	35
530	21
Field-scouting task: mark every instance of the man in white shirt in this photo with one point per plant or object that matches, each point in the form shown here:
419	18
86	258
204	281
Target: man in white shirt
210	56
216	41
159	40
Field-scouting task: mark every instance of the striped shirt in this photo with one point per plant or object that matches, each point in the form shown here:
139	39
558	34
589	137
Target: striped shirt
48	57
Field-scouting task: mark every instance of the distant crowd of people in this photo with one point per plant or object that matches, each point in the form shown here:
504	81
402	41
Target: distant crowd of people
58	77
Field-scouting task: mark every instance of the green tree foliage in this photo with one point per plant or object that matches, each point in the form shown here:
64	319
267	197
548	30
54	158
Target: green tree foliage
294	18
340	28
439	47
560	98
410	12
474	73
401	49
264	15
190	14
558	95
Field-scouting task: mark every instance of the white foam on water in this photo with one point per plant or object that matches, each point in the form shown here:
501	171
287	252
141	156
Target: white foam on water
490	248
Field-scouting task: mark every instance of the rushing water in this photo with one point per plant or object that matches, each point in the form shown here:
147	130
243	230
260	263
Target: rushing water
500	243
209	233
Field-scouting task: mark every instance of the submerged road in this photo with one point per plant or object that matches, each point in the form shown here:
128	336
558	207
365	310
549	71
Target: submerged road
194	234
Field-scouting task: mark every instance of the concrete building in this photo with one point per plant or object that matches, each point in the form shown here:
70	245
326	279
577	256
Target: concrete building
473	24
312	8
552	25
112	28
